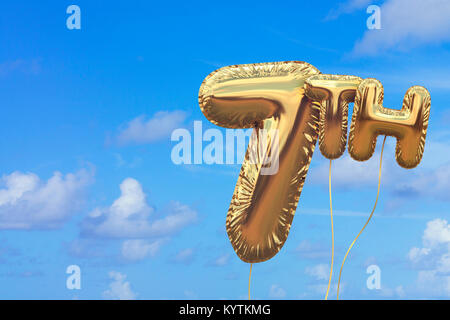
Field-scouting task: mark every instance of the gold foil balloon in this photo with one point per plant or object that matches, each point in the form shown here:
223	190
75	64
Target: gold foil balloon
408	125
298	104
334	92
267	96
370	119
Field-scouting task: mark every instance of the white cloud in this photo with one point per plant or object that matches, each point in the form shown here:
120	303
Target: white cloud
221	260
139	249
317	288
317	291
415	254
310	250
433	260
276	292
437	152
160	126
130	216
119	289
121	162
184	256
436	243
437	232
391	293
432	284
347	7
433	183
430	179
349	173
400	291
26	202
319	272
131	219
86	248
406	24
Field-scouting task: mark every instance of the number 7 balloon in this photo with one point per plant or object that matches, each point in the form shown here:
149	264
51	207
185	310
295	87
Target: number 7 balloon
268	96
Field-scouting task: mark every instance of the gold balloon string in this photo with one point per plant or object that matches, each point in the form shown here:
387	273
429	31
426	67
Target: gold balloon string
332	232
249	280
367	222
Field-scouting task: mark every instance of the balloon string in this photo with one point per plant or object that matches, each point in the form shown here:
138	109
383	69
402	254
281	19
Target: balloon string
332	232
367	222
249	280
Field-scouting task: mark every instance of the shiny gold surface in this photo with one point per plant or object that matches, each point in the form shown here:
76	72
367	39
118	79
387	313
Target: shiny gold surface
408	125
300	104
269	96
334	93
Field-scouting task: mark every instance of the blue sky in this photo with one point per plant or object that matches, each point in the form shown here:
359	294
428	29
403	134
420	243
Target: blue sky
86	122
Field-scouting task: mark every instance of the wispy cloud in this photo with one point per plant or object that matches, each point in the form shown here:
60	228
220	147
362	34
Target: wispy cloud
301	43
430	183
277	292
431	179
185	256
348	173
407	24
319	272
139	249
220	261
24	66
142	130
347	7
312	250
86	248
